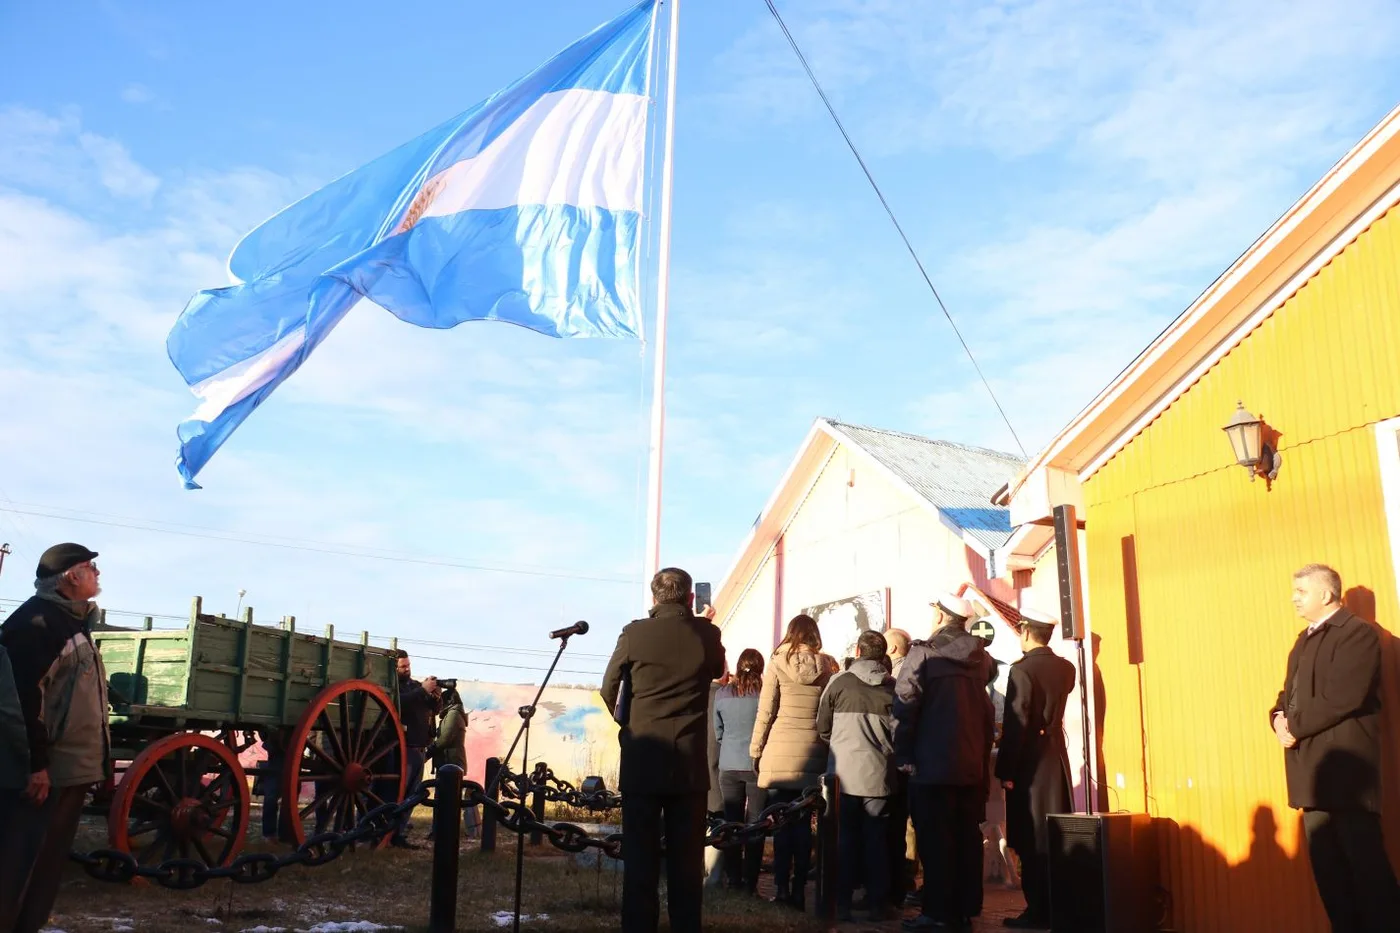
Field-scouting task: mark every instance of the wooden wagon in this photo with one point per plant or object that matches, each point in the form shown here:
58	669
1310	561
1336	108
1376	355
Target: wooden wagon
186	703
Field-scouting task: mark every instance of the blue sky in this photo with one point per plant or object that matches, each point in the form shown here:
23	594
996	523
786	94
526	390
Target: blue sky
1072	173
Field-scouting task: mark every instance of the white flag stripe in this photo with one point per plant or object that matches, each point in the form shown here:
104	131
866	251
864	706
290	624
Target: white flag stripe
244	378
575	147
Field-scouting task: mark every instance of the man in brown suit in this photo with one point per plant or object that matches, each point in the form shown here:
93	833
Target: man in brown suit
1327	718
669	660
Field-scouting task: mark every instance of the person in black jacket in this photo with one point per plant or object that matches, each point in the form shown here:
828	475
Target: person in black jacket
1327	718
1033	762
419	704
944	724
669	658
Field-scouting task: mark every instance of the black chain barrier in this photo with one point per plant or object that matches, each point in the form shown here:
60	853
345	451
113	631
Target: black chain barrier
515	814
183	874
557	790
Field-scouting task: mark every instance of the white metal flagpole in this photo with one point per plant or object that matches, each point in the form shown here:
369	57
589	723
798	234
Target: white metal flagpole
663	279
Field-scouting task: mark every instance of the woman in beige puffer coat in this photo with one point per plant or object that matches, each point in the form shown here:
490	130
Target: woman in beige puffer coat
789	754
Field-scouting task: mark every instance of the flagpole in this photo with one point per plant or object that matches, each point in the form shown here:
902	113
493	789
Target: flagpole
663	277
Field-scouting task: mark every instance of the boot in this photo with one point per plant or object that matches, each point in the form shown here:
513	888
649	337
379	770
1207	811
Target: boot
797	900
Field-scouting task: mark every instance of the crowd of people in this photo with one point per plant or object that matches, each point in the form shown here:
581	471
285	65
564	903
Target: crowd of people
908	727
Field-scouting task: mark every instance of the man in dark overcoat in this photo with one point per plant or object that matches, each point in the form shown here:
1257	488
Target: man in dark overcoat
668	659
1327	718
1032	761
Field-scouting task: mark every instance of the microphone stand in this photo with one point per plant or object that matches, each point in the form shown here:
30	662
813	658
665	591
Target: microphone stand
527	713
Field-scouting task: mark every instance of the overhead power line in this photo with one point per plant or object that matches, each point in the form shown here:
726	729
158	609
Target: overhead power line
462	646
336	550
792	41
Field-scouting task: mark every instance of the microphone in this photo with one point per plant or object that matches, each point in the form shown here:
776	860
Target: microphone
578	628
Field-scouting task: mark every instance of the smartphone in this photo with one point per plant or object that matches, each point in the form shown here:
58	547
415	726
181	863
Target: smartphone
702	597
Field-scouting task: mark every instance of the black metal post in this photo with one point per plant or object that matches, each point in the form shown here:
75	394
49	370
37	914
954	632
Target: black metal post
537	808
828	868
488	819
447	837
527	713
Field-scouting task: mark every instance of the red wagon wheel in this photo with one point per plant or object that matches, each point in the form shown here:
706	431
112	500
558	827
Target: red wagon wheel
185	795
349	746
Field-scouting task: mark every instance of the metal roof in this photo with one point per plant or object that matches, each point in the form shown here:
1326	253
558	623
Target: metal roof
956	479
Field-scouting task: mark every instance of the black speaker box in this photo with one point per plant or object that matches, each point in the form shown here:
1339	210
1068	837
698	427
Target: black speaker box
1103	873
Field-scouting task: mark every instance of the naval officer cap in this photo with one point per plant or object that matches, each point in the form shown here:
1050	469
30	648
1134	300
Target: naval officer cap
1041	623
953	605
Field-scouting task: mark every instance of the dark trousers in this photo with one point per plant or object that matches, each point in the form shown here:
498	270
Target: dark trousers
645	817
900	877
864	843
1354	876
947	821
34	847
792	846
744	800
1031	840
272	821
416	759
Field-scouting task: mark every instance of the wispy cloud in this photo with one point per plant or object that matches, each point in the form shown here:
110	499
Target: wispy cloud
138	94
1124	155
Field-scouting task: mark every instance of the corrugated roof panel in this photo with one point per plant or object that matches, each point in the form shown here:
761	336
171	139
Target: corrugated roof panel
957	479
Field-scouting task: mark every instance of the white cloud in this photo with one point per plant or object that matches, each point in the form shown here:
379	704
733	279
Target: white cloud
485	446
138	94
1112	160
51	153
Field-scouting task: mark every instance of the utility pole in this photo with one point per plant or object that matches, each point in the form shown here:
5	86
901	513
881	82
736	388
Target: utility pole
4	549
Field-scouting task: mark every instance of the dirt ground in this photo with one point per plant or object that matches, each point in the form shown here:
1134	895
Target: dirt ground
390	888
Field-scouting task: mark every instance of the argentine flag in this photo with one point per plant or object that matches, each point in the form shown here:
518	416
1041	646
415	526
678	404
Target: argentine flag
525	209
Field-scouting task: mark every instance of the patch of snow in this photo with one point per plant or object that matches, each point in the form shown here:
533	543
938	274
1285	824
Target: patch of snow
263	929
504	918
348	926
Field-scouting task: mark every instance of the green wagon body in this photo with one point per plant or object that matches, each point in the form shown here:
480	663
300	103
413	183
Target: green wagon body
218	673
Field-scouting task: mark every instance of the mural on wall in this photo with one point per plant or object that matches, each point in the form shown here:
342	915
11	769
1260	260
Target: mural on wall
572	730
841	621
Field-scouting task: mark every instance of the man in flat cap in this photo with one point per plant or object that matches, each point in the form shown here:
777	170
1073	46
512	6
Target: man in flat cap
62	691
944	723
1032	761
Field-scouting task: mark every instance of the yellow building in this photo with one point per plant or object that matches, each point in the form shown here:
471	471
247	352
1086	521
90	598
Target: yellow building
1188	558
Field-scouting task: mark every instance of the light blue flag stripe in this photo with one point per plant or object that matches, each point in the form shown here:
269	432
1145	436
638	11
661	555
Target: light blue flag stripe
524	209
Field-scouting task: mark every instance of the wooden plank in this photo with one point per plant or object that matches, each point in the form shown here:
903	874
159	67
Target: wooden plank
195	611
245	643
285	694
326	657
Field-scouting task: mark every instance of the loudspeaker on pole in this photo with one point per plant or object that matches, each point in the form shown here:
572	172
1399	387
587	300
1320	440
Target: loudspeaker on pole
1067	559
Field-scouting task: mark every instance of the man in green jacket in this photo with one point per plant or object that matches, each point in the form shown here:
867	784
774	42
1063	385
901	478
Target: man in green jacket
62	692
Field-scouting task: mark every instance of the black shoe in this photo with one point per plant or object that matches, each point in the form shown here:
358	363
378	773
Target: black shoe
402	844
883	914
924	922
1027	921
797	900
844	915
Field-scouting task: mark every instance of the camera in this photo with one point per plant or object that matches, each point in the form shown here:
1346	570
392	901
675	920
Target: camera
447	683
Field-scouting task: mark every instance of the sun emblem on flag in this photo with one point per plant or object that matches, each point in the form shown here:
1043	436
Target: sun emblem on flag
420	204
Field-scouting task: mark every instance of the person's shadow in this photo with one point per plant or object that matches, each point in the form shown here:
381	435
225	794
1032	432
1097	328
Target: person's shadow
1362	602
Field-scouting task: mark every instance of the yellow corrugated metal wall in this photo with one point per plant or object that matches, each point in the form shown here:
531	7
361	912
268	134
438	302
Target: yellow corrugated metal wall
1186	731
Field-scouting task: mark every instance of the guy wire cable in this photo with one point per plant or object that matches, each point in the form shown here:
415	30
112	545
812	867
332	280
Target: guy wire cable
772	8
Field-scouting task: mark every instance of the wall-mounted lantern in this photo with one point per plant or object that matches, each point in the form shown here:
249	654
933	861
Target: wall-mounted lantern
1252	451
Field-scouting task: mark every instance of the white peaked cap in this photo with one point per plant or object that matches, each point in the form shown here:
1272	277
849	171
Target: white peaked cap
1035	615
954	604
